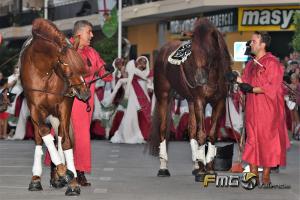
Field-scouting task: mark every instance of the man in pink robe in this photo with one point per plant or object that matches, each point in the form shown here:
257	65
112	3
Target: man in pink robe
267	138
80	118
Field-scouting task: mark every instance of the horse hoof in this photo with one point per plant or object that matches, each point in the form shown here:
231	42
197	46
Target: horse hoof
199	177
35	186
195	172
73	191
56	184
163	173
69	176
64	180
211	172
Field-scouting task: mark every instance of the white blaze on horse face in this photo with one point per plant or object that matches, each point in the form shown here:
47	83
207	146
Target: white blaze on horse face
163	155
82	80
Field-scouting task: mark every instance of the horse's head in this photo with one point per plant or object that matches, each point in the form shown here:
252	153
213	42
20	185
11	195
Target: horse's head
69	64
72	68
210	51
209	46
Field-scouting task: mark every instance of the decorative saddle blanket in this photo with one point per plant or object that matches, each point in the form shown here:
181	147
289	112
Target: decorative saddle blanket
181	53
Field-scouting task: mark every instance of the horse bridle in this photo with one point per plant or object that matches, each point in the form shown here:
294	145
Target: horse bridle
67	92
67	84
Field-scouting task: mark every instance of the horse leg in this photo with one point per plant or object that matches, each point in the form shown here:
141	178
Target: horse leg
201	138
55	124
212	150
73	188
54	178
193	137
163	155
38	119
35	184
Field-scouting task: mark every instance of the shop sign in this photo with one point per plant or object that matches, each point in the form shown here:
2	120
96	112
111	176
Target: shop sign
267	18
224	20
182	26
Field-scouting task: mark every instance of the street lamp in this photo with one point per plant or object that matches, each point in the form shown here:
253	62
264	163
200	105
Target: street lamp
46	9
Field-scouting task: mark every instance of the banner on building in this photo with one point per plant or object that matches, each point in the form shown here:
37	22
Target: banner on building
182	26
267	18
224	20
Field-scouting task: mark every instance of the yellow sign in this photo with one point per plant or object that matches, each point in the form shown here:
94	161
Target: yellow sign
267	18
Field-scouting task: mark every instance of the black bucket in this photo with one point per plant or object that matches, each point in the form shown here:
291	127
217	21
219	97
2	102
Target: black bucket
223	159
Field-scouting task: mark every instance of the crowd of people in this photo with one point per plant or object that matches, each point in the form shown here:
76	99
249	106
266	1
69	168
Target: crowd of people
123	103
292	95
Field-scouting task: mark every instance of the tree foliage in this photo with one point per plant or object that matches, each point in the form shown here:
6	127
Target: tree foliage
108	48
5	55
296	38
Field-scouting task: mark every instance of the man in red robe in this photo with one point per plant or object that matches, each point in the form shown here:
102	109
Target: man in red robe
267	138
80	118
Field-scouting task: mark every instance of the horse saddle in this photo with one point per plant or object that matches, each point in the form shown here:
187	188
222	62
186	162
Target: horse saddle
181	54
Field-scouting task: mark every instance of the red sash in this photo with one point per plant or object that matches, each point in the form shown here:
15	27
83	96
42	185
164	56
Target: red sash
144	115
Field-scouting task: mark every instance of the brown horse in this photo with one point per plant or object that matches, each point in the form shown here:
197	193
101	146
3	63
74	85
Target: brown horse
51	75
197	74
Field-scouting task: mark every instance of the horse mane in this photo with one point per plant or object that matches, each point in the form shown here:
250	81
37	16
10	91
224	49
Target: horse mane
74	59
210	47
47	30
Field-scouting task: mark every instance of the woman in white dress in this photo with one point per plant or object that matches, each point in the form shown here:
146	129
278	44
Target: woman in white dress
129	130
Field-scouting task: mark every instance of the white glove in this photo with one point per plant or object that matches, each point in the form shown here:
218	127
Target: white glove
286	98
291	105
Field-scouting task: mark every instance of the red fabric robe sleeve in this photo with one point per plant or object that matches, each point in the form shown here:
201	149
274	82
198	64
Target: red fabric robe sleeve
270	80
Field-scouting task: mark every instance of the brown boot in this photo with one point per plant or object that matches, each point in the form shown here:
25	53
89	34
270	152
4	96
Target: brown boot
82	179
266	180
254	170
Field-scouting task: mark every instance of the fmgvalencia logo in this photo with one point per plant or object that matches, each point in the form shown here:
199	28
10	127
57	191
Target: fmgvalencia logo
249	181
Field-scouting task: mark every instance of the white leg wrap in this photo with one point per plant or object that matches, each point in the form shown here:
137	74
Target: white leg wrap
194	147
55	158
163	155
107	133
163	164
60	150
201	154
37	162
70	161
211	152
163	150
196	165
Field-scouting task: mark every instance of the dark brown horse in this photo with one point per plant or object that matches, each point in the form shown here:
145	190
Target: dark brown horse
197	74
51	75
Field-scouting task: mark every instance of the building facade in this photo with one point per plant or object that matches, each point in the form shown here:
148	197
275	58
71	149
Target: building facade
151	24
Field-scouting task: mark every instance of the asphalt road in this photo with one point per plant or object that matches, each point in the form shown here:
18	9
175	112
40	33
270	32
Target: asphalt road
125	172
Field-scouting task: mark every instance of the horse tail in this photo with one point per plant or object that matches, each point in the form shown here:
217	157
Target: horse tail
154	138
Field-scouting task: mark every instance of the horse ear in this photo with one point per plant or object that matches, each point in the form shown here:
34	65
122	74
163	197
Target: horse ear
76	42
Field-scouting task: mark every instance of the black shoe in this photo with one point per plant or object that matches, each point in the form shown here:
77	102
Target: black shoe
82	179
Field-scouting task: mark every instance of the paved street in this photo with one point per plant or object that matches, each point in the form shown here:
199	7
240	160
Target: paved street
125	172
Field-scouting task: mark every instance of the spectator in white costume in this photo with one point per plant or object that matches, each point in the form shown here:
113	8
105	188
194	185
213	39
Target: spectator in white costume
129	130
